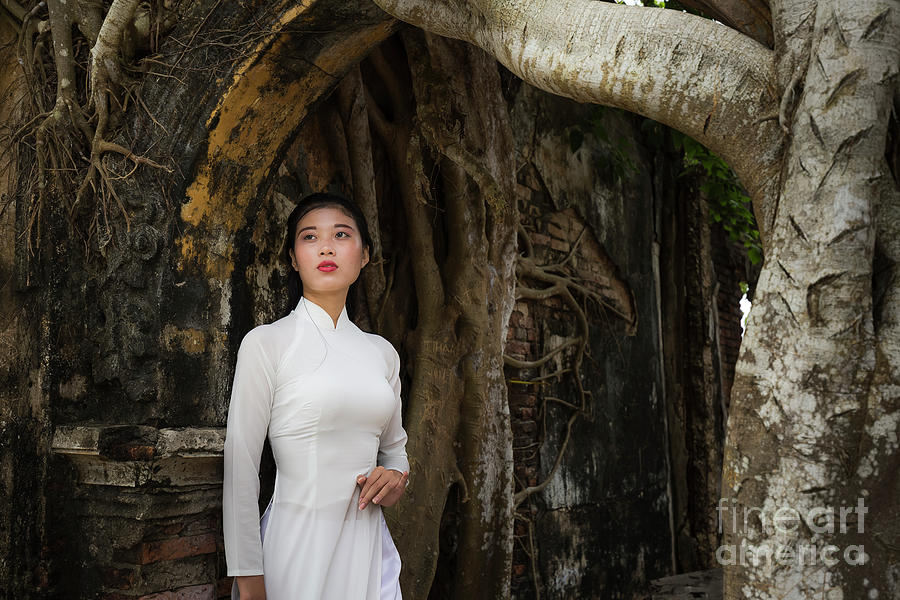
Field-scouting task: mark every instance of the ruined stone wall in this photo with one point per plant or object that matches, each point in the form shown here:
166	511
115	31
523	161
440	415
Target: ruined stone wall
23	366
133	489
601	527
633	497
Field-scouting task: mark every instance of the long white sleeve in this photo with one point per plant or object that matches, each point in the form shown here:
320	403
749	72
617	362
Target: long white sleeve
392	448
248	422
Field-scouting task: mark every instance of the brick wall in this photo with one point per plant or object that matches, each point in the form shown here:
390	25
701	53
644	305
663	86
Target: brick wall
536	327
145	522
730	268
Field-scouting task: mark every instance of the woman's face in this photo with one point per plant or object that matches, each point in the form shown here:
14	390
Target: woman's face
327	235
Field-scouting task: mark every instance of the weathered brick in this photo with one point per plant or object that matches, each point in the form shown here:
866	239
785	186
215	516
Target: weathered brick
179	547
203	524
527	427
518	348
223	587
557	232
540	239
120	579
560	245
520	441
206	591
158	596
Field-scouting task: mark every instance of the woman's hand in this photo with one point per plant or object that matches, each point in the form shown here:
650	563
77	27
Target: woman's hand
382	486
251	587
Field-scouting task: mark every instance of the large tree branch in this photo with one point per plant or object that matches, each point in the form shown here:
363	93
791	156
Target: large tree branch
692	74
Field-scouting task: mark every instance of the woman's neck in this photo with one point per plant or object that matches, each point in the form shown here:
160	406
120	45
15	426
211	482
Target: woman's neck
332	302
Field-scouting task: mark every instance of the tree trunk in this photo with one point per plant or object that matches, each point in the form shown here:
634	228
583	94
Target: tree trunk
458	418
815	411
689	73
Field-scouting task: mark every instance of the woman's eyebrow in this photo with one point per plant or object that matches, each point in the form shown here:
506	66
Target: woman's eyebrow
336	225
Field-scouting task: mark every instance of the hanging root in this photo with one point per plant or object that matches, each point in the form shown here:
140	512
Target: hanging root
564	285
70	138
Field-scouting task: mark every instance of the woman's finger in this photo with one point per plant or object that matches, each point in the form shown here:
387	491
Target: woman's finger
372	478
392	493
386	491
373	485
391	498
370	481
386	480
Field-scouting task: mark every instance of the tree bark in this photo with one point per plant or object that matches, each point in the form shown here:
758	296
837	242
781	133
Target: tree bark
458	418
707	81
815	409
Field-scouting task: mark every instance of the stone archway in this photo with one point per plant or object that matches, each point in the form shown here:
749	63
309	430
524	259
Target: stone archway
162	319
126	401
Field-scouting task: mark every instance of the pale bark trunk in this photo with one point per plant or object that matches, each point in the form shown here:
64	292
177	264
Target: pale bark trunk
815	413
692	74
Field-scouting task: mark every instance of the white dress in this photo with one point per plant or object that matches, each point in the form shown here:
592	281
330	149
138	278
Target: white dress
328	397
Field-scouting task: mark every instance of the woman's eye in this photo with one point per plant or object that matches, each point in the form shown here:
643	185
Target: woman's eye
308	235
344	232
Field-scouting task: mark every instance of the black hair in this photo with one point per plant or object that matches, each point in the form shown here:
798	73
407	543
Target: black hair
305	205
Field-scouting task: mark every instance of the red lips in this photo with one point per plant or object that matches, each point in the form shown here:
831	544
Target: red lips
327	265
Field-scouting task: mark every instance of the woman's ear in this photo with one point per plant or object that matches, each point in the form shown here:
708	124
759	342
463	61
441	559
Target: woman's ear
293	259
365	257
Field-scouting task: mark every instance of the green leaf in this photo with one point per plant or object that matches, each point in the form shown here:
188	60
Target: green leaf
755	255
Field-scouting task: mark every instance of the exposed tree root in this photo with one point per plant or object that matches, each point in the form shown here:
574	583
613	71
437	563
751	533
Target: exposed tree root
452	215
564	286
354	115
560	286
70	139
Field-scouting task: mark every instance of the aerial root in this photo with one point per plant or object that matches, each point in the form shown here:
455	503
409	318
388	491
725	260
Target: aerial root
58	154
563	285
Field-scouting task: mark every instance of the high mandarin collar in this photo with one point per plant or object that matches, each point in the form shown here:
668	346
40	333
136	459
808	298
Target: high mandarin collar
320	316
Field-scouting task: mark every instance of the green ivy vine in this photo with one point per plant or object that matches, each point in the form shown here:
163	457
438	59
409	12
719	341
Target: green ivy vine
728	204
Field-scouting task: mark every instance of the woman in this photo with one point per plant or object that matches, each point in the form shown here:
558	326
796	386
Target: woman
327	395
